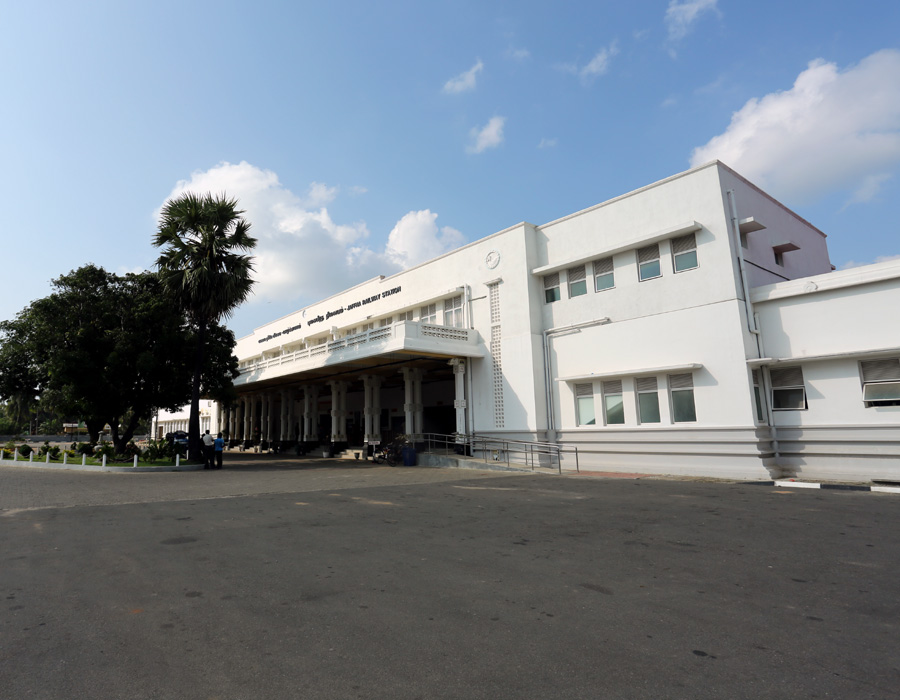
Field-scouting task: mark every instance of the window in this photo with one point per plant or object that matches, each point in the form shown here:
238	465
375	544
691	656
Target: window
779	258
604	277
744	243
551	288
405	316
648	262
684	252
681	388
577	281
881	382
584	404
453	311
367	327
788	391
428	314
349	331
757	396
648	400
613	407
385	321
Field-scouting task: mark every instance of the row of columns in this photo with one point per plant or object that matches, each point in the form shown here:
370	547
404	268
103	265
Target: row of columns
258	409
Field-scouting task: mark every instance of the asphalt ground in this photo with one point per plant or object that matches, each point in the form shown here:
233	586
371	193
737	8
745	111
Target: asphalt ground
304	579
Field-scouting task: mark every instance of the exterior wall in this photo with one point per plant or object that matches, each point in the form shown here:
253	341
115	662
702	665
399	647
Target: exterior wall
826	325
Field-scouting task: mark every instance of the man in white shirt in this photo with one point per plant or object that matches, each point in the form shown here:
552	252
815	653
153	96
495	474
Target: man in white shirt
208	450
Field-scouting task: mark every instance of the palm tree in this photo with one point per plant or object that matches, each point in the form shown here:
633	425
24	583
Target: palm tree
200	268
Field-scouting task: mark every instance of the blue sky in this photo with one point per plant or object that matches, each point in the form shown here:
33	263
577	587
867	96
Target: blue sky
361	137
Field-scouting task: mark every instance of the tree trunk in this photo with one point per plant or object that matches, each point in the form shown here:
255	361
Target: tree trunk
195	451
94	426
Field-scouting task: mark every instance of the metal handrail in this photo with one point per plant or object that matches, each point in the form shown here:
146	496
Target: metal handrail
493	449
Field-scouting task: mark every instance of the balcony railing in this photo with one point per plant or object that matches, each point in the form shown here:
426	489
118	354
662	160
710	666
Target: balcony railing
407	335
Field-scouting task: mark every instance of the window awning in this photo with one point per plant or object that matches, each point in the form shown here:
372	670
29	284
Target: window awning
668	369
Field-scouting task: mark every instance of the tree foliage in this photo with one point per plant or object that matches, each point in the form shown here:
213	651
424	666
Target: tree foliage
204	267
108	349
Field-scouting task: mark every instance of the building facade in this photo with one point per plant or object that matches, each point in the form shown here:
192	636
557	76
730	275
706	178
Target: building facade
693	326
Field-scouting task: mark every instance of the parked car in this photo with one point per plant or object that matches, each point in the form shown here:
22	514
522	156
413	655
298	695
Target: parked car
179	437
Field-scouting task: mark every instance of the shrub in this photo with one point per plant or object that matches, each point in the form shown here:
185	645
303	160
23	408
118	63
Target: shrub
104	448
46	448
131	450
84	448
24	450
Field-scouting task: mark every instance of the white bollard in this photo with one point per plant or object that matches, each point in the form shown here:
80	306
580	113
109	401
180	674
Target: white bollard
177	459
104	459
31	456
135	460
16	455
65	457
47	461
83	459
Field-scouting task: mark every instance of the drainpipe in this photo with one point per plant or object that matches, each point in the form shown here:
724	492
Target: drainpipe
470	403
753	323
548	372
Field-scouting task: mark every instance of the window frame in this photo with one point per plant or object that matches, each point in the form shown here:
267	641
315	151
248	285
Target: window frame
453	312
680	385
881	373
428	314
644	259
551	288
681	247
600	268
783	382
608	390
582	393
576	277
647	386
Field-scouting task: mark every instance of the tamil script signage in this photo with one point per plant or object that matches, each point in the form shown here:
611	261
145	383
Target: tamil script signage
333	312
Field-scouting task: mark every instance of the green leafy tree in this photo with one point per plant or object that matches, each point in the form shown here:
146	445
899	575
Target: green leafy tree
107	349
204	267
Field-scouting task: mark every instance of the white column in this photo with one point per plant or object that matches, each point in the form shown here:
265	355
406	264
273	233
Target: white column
412	406
372	409
282	430
338	411
310	408
266	428
252	415
459	399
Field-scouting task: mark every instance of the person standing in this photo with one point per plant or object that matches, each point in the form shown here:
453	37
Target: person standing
219	448
208	450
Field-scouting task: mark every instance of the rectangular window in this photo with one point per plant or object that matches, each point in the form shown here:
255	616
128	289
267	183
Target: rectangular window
779	258
788	390
881	382
648	262
453	311
604	277
428	314
757	396
406	316
577	281
385	321
648	399
584	404
367	327
551	288
681	388
613	406
684	252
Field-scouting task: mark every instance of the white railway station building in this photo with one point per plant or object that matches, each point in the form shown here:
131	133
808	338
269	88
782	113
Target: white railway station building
695	326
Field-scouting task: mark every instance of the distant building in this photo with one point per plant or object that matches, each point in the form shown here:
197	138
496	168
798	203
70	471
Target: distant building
693	326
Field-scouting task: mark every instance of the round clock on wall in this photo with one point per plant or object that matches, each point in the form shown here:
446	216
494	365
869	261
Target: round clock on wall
492	259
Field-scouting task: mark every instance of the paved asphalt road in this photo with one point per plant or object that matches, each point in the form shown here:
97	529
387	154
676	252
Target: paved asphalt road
317	580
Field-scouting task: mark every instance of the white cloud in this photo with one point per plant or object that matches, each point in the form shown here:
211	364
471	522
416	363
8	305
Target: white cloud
302	253
869	188
680	16
831	131
599	64
488	136
464	81
416	238
548	143
880	259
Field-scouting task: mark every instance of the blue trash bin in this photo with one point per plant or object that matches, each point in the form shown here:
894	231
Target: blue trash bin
409	456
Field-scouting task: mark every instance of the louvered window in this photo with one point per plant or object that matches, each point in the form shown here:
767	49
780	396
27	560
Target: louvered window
584	404
788	390
386	321
681	390
648	262
428	314
577	281
551	288
406	316
757	396
881	382
604	278
613	406
648	399
684	252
